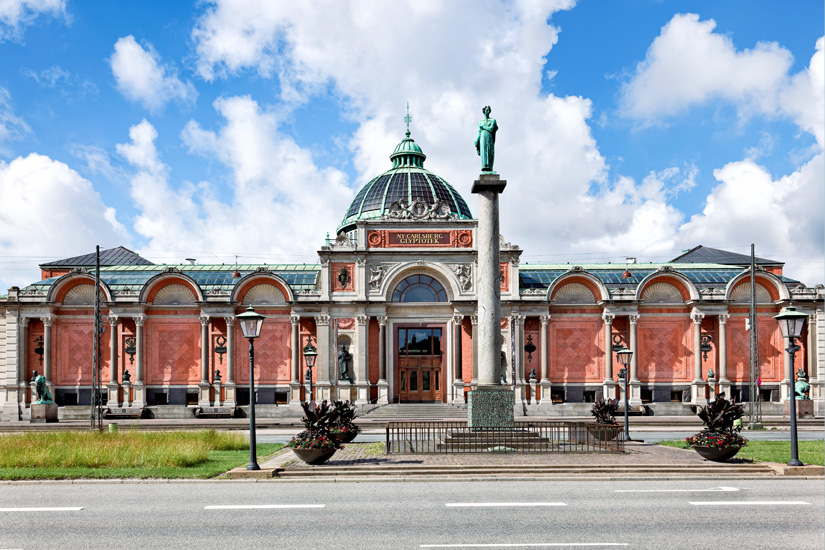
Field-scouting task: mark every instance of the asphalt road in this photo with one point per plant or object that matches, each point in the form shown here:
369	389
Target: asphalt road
754	514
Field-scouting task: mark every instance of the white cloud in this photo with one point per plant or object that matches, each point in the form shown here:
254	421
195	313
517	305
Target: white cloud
15	15
67	83
142	78
688	64
803	98
48	211
12	127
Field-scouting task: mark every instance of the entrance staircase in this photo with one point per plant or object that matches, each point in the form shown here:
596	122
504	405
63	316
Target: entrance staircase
416	411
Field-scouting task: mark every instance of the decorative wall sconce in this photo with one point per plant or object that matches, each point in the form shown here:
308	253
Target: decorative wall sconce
618	343
131	349
530	347
705	346
220	348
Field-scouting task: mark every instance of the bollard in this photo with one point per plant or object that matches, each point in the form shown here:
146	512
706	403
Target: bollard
113	428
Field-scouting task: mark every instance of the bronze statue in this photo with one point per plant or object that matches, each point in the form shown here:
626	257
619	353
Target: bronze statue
486	140
44	396
343	360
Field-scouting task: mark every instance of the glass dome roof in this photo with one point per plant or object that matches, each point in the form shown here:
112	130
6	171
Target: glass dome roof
407	181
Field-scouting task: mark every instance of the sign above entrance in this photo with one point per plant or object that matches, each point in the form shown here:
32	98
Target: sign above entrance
415	239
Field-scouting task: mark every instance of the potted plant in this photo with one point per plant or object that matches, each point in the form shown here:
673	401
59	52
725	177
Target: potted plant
342	428
315	445
604	412
720	439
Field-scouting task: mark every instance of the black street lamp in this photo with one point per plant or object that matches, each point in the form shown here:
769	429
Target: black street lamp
310	353
251	323
791	322
623	357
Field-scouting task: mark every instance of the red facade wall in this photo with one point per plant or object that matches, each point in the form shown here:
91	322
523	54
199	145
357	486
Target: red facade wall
273	353
770	350
665	349
72	356
577	350
172	351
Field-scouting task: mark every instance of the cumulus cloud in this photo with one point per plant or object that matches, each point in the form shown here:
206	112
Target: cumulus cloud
16	15
803	98
273	185
142	78
48	211
11	126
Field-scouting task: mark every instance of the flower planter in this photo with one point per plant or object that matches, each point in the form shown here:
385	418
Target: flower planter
343	437
604	432
314	456
716	454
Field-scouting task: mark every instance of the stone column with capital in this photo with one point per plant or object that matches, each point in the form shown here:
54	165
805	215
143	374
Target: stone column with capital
229	387
545	383
204	387
11	404
323	364
47	351
697	386
724	382
138	385
517	333
635	397
113	387
474	336
609	385
383	385
490	404
361	360
295	382
22	383
458	382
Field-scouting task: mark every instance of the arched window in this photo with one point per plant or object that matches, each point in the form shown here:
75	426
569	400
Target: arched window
419	288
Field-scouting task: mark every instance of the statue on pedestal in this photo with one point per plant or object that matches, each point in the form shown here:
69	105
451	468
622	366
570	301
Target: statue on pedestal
44	396
486	140
343	360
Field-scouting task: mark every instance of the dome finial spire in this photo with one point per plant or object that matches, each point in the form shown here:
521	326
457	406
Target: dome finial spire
408	119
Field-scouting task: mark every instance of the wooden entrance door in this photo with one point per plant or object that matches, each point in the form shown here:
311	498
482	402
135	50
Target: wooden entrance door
419	365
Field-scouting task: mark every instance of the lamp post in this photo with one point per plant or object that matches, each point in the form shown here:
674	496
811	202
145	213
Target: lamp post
791	322
251	323
310	353
623	357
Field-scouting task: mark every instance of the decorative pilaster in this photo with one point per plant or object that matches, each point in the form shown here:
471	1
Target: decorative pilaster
545	382
362	381
609	385
458	381
22	336
383	386
204	388
47	351
113	387
724	383
230	395
323	363
697	387
295	382
10	388
635	397
139	386
361	278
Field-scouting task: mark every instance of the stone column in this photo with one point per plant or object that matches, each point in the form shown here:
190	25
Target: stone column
546	385
11	381
360	276
474	334
230	389
609	385
383	386
458	382
697	387
325	282
361	359
322	363
22	348
785	385
295	382
139	386
204	399
724	383
113	387
635	397
47	352
517	332
490	404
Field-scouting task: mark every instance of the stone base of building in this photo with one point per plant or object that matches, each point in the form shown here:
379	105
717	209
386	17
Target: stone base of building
804	408
490	407
43	412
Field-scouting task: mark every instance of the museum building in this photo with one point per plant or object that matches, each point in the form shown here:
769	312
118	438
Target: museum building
391	309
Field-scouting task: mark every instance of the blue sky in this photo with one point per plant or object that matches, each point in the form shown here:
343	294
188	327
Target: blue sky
636	128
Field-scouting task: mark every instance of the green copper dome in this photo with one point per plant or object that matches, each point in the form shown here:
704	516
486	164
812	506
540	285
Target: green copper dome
407	181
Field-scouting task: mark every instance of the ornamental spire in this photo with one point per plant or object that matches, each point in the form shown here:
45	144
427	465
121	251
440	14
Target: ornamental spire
408	119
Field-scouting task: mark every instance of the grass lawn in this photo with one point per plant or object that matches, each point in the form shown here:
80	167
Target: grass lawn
810	452
125	454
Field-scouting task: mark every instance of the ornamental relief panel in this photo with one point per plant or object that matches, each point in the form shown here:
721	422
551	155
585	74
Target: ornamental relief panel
770	350
173	352
273	352
342	276
664	350
72	356
577	352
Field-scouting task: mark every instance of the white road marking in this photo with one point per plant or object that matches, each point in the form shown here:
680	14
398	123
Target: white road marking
502	504
44	509
751	503
717	489
524	545
260	506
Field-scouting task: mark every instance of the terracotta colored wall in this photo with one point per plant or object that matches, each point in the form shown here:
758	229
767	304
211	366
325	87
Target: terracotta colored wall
273	353
665	349
172	350
72	356
467	350
576	350
770	350
373	351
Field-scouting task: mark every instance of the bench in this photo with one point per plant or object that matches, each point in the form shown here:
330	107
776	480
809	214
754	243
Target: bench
124	412
215	412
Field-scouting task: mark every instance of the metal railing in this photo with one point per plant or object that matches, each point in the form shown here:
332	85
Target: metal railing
447	437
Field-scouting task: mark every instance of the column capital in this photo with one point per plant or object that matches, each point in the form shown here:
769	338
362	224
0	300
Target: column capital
608	318
139	320
113	319
322	319
47	321
696	316
519	319
360	262
474	319
204	319
458	318
544	320
295	319
382	320
324	262
723	318
633	318
23	321
230	320
362	319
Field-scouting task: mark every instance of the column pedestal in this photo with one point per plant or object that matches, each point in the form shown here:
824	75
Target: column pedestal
127	394
698	390
491	407
230	399
113	394
458	392
295	393
140	395
635	397
383	392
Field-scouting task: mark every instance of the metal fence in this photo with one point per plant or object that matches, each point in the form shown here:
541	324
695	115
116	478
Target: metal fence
523	437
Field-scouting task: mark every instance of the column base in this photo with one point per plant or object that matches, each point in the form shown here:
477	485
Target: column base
546	392
113	395
724	387
383	392
204	397
127	394
785	390
532	398
362	394
295	393
609	389
140	395
230	395
322	391
217	401
697	393
635	397
491	407
458	392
